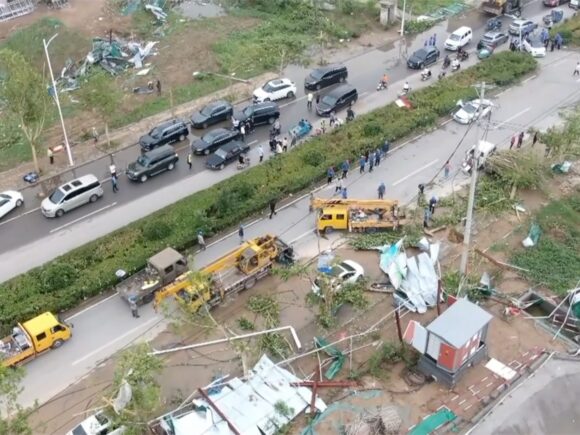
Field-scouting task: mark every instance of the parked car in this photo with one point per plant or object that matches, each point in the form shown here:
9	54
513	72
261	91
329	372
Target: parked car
97	424
459	38
152	163
71	195
325	76
424	56
342	96
472	110
275	90
258	113
212	113
227	154
345	272
521	26
554	3
167	132
10	200
212	140
534	46
492	40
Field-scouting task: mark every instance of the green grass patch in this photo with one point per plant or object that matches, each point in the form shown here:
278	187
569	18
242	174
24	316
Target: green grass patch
555	261
424	7
86	271
569	29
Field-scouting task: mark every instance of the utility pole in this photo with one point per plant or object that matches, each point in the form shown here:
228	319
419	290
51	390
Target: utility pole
403	18
471	201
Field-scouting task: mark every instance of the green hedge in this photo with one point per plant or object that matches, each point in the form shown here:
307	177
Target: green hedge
90	269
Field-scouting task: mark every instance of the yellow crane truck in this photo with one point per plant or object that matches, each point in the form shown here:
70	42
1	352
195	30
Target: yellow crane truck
230	274
32	338
356	215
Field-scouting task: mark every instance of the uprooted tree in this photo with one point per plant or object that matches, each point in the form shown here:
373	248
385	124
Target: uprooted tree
24	97
13	417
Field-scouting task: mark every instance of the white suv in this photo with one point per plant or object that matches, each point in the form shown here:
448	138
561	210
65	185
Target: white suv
275	90
459	39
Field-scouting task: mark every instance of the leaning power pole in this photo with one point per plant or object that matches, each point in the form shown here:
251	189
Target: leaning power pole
471	201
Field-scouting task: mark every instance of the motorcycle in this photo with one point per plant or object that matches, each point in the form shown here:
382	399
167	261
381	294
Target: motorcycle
455	67
493	24
446	62
404	91
441	75
462	55
425	76
243	163
381	86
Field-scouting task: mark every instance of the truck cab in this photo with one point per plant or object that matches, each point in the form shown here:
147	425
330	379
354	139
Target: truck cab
31	338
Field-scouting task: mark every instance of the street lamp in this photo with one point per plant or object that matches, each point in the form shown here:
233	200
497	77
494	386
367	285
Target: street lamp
232	76
56	98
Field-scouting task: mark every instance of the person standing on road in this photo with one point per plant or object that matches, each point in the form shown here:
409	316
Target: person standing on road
338	187
432	203
285	144
535	138
371	162
332	119
309	98
386	147
317	99
576	70
201	241
273	211
381	190
243	132
345	167
377	157
329	175
447	169
133	307
50	155
95	134
189	160
115	183
513	141
520	139
323	126
113	170
261	153
344	193
158	86
362	163
241	233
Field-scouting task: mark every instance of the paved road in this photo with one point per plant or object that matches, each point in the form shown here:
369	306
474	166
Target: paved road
104	328
30	240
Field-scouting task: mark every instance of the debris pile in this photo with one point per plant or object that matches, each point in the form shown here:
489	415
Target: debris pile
381	421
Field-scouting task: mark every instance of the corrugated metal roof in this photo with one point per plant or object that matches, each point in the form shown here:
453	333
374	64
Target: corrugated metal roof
459	322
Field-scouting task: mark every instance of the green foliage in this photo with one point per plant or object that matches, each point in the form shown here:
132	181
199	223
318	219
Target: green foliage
13	418
412	234
128	248
564	142
275	345
329	300
569	29
100	93
267	307
418	26
555	261
245	324
13	146
385	356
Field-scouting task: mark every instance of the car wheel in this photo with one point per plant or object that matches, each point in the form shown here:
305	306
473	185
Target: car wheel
171	166
204	125
328	230
143	178
421	65
93	198
341	80
267	100
290	95
271	120
58	343
221	167
317	87
19	203
206	152
181	137
250	283
59	213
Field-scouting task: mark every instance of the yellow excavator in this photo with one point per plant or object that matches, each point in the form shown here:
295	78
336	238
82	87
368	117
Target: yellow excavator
356	215
236	271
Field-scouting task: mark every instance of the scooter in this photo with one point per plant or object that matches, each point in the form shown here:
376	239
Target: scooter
455	67
404	92
462	56
425	76
381	86
245	164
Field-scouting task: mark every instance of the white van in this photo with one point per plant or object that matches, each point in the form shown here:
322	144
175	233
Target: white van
483	150
71	195
459	39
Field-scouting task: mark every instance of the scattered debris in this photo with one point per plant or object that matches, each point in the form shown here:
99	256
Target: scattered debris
533	236
497	262
338	358
432	422
10	9
157	11
562	168
380	421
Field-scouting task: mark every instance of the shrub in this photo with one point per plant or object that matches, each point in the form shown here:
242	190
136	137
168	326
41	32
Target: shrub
90	269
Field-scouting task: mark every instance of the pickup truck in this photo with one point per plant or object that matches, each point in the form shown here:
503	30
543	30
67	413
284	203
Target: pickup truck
32	338
162	269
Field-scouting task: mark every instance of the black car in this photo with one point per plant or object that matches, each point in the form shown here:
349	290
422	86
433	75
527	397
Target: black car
226	154
213	113
167	132
163	158
325	76
423	57
212	140
257	113
342	96
492	40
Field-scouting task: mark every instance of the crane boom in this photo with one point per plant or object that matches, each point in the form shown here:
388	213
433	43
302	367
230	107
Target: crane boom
384	204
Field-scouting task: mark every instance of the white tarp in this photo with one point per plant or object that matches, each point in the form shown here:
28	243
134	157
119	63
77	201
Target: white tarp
429	279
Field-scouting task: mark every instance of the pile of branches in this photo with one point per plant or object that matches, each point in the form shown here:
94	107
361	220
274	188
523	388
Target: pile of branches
517	169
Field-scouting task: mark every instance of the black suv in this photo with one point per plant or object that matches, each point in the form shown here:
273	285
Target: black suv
212	140
341	96
167	132
258	113
212	113
152	163
325	76
226	154
423	57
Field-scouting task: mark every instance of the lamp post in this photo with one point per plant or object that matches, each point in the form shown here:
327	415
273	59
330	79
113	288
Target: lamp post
56	98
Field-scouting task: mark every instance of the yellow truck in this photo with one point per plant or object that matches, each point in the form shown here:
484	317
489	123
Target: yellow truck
230	274
356	215
32	338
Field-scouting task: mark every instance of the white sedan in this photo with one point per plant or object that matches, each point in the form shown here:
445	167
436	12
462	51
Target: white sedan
275	90
345	272
535	47
9	200
97	424
468	112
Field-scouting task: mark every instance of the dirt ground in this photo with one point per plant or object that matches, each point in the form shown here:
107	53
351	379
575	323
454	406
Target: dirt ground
515	341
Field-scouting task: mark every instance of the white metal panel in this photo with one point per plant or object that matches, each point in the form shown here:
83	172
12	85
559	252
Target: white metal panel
433	345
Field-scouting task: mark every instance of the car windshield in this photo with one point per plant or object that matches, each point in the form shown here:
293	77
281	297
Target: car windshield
248	111
268	87
421	54
470	108
347	267
207	110
56	196
536	43
143	161
102	419
488	38
454	37
210	137
329	100
155	133
79	431
4	196
221	153
317	74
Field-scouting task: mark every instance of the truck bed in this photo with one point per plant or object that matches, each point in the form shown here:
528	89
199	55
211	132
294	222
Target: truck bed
135	286
359	223
15	348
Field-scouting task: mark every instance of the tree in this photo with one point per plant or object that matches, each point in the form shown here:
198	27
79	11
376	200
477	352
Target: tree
100	94
24	96
140	371
13	417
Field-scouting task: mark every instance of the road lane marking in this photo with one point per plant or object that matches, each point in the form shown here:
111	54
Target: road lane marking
91	307
253	142
446	122
121	337
511	118
227	236
293	101
54	230
301	236
20	215
529	78
415	172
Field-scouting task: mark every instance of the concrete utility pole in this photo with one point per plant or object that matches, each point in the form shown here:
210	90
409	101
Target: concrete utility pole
470	204
403	18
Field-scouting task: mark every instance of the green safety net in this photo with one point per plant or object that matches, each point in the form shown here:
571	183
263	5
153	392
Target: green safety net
434	421
338	357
